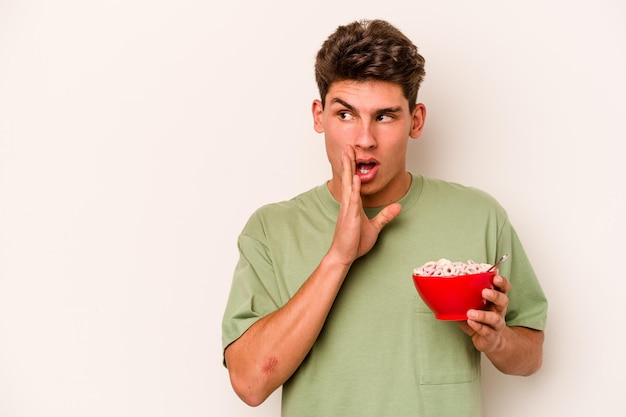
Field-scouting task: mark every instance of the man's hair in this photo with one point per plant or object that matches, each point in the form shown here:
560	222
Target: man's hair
370	50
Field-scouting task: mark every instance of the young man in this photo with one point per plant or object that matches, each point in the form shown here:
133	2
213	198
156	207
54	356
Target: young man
322	300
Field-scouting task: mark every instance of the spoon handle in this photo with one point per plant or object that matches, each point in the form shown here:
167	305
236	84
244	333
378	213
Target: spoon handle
498	262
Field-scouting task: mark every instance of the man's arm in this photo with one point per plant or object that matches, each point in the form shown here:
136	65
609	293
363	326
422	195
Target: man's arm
271	350
520	351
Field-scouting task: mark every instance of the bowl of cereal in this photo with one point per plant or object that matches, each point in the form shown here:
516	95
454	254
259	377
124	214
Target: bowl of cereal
449	288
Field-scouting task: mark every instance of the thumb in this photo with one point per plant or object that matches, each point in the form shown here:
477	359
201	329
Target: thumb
386	215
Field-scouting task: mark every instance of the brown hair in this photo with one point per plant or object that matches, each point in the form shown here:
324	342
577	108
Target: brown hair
368	50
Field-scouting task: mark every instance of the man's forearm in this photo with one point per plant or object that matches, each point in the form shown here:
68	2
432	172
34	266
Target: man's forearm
520	351
270	351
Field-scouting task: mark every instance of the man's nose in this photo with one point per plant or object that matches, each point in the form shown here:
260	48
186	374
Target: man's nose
365	138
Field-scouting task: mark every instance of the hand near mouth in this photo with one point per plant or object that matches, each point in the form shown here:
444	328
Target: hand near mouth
355	233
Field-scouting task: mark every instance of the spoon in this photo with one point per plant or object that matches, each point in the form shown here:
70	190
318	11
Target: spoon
498	262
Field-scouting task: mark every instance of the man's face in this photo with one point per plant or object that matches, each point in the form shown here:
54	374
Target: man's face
374	119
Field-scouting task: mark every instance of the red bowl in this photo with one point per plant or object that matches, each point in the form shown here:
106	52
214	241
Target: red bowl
450	297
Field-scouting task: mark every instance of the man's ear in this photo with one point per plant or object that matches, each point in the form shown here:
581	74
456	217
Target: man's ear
419	118
318	111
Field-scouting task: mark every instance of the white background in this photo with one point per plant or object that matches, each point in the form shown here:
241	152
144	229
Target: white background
136	137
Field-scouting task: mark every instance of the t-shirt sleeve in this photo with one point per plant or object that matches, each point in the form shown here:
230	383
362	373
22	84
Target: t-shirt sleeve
528	305
254	292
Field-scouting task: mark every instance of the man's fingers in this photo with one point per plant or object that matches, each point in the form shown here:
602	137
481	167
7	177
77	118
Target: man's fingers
386	215
348	166
502	283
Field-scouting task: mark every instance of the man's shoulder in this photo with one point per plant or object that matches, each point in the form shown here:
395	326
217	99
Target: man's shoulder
455	189
450	192
294	203
285	217
281	211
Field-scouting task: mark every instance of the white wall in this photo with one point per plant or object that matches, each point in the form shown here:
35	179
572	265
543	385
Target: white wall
136	137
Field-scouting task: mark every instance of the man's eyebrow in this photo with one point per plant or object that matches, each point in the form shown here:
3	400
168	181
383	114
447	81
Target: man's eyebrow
389	110
379	111
344	104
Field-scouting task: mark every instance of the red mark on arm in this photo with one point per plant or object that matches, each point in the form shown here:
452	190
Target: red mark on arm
269	365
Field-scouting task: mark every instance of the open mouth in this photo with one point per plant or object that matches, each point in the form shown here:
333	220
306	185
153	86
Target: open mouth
365	167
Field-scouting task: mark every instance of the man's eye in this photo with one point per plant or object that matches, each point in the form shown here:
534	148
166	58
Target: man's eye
384	118
344	115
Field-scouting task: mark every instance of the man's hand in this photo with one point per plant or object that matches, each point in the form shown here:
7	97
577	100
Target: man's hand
355	234
513	350
486	326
